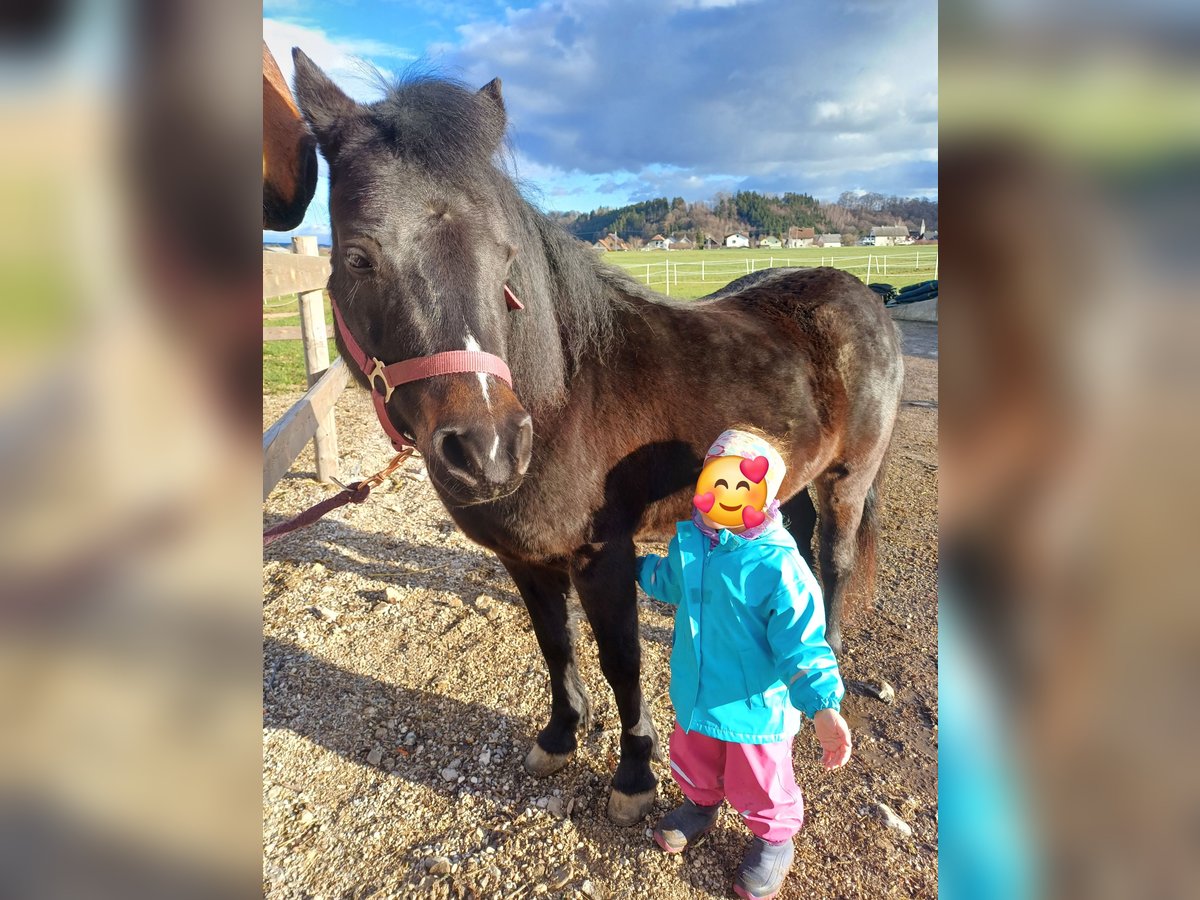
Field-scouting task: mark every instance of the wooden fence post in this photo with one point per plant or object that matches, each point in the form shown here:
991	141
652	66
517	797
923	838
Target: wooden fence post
316	361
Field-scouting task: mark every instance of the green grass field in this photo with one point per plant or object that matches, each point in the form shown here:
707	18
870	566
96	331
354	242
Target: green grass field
693	273
283	361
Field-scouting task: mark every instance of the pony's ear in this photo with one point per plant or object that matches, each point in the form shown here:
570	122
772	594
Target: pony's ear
321	101
493	120
491	90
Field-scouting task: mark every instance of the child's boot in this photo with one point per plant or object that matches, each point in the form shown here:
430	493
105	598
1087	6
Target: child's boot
685	824
763	869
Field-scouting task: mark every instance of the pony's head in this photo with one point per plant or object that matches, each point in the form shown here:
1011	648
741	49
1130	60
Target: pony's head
421	252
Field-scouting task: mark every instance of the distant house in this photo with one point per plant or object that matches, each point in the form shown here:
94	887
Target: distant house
610	243
828	240
770	242
658	242
800	237
710	242
737	239
683	243
889	235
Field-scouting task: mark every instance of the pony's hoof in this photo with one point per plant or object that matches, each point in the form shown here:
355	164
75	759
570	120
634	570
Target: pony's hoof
629	809
539	763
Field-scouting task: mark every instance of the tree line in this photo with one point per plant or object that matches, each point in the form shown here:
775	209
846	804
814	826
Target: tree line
751	213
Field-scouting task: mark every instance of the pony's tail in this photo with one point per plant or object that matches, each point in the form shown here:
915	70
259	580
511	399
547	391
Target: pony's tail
860	593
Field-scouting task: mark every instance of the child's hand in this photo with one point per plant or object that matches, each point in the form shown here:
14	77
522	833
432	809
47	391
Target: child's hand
834	735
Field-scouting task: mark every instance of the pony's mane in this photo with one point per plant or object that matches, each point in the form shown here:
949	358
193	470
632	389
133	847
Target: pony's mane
436	121
588	295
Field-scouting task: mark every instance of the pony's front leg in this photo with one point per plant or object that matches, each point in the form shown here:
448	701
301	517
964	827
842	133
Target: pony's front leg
545	594
603	575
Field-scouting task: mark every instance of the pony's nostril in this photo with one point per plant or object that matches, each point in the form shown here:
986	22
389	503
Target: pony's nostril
486	455
449	445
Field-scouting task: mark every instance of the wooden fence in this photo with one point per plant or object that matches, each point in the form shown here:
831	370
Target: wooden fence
304	272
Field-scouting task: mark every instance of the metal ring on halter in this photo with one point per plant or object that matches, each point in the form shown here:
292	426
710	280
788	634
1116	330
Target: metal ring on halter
378	370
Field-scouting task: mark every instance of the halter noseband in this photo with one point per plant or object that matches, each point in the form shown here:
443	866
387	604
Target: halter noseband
452	362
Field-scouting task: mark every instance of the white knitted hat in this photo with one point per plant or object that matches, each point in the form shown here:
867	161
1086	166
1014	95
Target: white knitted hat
751	446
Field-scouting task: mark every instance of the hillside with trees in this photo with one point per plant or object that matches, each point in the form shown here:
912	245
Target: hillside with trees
750	212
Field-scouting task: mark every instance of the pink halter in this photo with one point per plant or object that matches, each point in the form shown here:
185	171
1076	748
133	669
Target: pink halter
452	362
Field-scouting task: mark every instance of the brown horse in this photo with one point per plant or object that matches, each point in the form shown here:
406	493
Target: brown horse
616	393
289	153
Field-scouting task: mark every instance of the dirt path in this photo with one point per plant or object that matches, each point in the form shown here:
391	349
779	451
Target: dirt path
402	686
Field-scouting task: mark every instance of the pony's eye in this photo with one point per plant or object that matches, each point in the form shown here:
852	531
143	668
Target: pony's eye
358	261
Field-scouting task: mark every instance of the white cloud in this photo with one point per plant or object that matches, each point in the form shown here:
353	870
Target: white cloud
710	4
703	88
348	61
626	100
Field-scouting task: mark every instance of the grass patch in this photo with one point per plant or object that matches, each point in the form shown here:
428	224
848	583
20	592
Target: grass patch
695	273
283	365
283	361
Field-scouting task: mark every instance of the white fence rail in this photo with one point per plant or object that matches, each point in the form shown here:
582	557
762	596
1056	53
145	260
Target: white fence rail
304	272
877	266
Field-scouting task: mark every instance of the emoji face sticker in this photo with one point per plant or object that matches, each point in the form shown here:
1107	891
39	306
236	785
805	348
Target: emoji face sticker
732	491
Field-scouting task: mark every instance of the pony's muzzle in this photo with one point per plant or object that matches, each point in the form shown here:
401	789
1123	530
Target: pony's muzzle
488	458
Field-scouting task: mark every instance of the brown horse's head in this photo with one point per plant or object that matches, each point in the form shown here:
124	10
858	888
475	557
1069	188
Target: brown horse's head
422	247
289	153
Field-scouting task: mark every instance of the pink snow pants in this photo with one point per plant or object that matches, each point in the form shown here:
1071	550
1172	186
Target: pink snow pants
757	779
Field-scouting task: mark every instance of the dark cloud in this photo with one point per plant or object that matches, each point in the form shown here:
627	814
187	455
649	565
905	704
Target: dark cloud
795	94
917	178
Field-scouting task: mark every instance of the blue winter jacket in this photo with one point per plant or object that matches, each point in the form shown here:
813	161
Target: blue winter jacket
749	621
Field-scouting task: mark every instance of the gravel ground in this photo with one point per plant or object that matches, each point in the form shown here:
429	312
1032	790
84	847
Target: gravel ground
402	686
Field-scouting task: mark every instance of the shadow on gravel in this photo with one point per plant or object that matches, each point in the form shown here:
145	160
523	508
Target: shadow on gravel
331	707
395	562
339	710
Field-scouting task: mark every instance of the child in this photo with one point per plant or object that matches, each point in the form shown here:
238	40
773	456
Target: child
749	637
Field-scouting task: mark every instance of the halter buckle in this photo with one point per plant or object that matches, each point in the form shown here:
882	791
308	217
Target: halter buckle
379	371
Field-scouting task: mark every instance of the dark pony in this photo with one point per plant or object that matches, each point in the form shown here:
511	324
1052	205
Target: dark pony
617	391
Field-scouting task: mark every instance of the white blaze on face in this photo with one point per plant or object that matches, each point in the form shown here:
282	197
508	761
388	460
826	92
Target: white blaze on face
473	344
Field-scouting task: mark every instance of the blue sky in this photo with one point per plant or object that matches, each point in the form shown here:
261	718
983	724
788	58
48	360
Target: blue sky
613	101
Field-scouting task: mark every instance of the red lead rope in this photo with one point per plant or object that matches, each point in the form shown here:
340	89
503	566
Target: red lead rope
355	493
